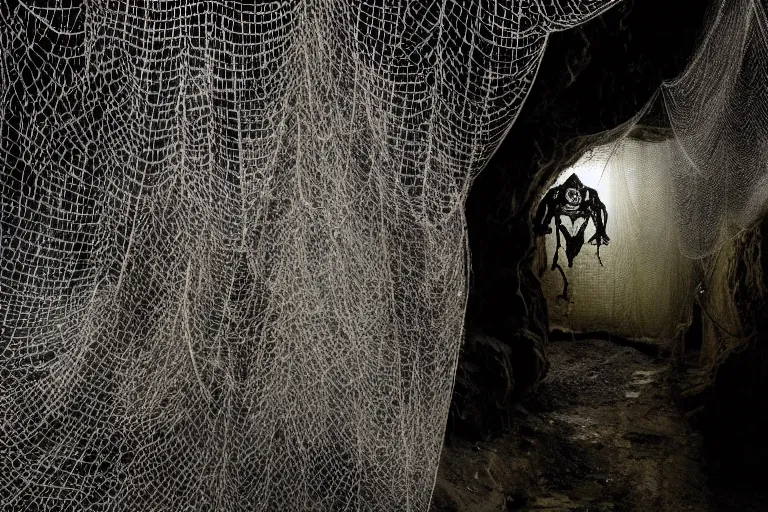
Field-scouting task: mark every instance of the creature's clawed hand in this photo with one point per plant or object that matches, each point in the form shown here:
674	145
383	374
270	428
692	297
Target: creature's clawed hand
598	238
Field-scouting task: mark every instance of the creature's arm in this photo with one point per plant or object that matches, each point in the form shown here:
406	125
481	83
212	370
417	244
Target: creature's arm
599	215
544	214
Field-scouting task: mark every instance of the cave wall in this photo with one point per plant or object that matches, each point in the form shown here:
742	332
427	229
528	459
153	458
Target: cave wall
731	406
721	324
592	79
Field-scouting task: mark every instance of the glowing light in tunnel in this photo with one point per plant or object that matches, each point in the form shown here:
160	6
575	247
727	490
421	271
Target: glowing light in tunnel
637	290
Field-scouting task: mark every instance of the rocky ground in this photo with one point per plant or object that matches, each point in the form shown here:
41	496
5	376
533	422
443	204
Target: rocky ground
601	433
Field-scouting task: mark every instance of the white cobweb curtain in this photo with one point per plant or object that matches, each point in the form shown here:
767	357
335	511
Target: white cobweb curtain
673	204
718	110
233	247
642	288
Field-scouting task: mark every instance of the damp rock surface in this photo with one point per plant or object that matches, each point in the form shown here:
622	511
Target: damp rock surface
600	433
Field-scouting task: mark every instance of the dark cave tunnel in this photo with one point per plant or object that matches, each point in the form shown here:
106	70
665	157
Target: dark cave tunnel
517	373
593	79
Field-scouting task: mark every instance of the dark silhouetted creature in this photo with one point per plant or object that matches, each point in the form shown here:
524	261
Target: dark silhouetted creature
577	202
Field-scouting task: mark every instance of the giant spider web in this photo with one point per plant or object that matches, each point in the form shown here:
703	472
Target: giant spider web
233	246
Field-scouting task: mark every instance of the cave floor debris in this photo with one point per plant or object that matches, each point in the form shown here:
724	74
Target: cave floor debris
601	433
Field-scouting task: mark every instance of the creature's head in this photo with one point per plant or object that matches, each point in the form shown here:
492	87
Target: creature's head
573	194
573	181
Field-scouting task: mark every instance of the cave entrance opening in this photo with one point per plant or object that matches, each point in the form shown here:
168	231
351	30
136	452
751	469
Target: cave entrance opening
638	286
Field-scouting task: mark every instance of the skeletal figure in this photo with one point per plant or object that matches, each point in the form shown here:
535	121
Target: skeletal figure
579	203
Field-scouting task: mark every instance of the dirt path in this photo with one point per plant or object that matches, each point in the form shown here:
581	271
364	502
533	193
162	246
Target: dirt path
600	434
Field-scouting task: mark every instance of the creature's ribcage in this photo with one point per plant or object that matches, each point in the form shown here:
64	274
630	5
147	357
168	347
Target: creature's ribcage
574	226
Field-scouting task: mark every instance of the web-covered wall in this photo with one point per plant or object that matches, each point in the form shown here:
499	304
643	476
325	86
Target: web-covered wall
644	286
